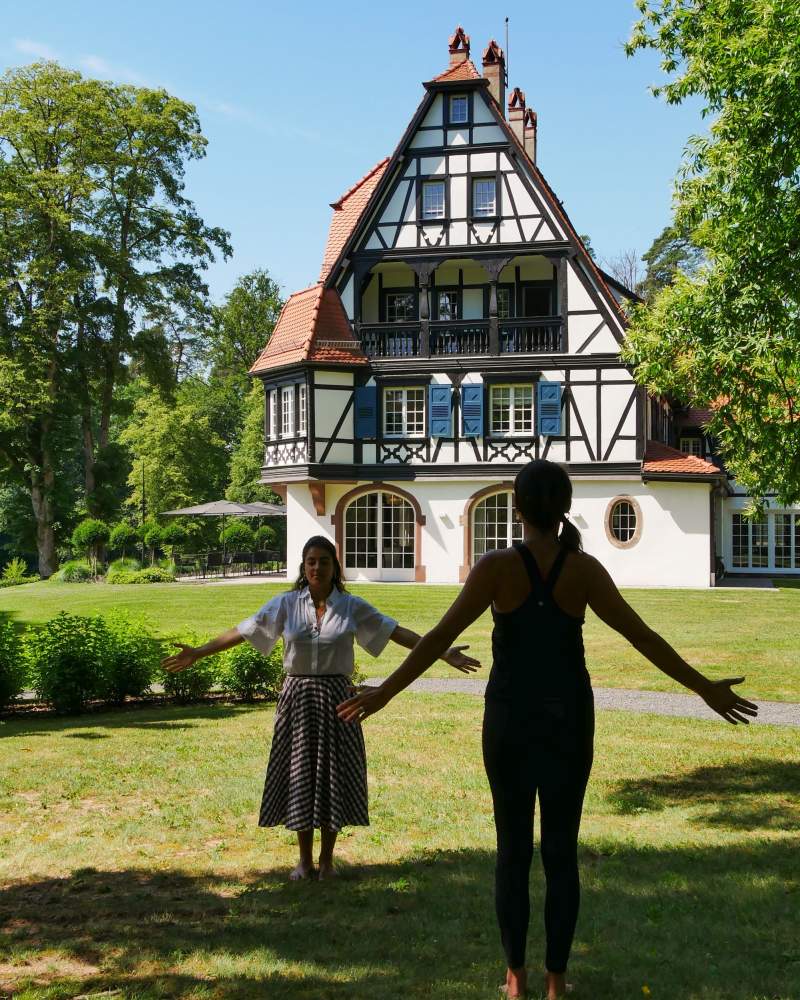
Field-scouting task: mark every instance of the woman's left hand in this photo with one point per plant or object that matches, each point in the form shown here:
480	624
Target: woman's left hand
466	664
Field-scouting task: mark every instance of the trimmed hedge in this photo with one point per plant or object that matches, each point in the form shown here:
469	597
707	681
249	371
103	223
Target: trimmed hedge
245	673
12	664
151	574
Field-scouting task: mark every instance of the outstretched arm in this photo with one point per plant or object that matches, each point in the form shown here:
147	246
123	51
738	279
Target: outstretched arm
407	638
191	654
475	597
610	606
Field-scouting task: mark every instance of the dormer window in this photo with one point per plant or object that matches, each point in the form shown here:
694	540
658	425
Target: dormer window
459	109
433	200
484	197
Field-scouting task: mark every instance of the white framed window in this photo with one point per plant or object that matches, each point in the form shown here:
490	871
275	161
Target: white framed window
750	542
287	411
510	410
459	109
494	525
273	413
404	412
433	200
787	541
401	307
503	303
692	445
623	522
302	420
379	532
448	305
484	197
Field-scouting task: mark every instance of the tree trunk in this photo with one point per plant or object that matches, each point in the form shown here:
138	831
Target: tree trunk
42	482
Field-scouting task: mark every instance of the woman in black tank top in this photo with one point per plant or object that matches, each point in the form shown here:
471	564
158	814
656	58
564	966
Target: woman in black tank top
539	717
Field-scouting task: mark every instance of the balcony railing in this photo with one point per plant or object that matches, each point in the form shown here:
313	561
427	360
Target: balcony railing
459	337
390	340
530	336
465	337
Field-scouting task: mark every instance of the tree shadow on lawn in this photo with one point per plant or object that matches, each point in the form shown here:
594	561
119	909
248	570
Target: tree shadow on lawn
134	716
716	922
746	795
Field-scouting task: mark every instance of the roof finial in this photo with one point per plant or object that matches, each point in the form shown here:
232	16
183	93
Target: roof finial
458	46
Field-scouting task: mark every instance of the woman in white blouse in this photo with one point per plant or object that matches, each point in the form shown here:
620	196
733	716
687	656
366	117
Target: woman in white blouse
317	774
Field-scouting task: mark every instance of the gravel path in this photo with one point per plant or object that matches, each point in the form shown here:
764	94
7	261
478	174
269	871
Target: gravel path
686	706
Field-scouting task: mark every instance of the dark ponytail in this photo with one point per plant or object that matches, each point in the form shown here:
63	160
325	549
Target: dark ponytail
320	542
543	496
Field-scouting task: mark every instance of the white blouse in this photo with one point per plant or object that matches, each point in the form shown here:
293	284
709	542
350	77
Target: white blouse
309	648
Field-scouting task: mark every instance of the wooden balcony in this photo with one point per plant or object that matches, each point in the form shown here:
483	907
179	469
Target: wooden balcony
464	337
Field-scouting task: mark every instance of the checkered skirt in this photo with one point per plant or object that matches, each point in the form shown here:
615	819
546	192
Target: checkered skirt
317	770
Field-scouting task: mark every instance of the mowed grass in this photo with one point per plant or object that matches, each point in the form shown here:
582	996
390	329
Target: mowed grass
721	632
131	862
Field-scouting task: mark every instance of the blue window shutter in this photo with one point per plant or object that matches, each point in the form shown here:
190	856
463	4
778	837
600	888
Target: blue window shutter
440	410
472	410
548	408
366	411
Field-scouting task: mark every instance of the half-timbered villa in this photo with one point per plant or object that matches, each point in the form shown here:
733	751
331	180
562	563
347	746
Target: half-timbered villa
458	329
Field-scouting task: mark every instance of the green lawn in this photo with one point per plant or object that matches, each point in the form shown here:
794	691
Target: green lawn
129	861
722	632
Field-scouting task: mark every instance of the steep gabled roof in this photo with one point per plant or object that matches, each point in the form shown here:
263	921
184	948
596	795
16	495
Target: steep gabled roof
347	211
465	70
312	326
660	459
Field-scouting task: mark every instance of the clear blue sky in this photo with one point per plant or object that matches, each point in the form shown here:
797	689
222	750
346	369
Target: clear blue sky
299	100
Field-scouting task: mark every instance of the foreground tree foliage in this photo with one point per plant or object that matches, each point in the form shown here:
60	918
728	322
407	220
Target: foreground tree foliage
726	335
94	229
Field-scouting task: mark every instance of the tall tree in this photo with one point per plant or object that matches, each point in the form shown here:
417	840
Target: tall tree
94	228
671	253
247	458
728	335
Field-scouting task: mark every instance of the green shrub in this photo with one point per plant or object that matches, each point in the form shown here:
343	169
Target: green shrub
15	572
238	537
75	571
66	658
89	537
246	673
196	681
266	537
154	574
12	664
132	659
173	535
123	536
124	565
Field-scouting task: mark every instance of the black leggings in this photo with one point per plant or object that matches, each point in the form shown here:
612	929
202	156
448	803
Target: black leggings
521	759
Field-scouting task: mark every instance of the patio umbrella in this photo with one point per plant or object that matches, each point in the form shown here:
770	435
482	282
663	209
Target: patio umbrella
227	508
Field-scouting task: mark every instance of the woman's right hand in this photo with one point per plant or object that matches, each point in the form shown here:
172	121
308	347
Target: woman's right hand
180	661
727	703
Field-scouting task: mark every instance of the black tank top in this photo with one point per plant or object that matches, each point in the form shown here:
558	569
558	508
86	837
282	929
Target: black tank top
537	649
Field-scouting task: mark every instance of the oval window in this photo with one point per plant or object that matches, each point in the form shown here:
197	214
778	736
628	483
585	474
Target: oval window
623	522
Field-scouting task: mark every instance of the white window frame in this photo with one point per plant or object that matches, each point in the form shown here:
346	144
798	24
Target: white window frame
427	186
692	446
287	411
302	402
417	430
516	408
483	211
273	414
391	520
514	531
458	121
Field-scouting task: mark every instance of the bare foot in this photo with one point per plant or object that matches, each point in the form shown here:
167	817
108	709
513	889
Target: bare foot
327	871
556	985
516	984
301	871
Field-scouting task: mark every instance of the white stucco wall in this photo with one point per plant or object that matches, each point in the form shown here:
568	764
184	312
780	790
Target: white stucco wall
672	551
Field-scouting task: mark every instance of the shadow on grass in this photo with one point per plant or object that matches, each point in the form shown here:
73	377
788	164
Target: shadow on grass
704	922
757	794
134	716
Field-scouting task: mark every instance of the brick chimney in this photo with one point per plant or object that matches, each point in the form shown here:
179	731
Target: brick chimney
529	121
459	47
494	70
516	113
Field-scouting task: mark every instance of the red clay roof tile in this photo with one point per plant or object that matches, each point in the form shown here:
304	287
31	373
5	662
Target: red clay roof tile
660	458
461	71
312	326
347	211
